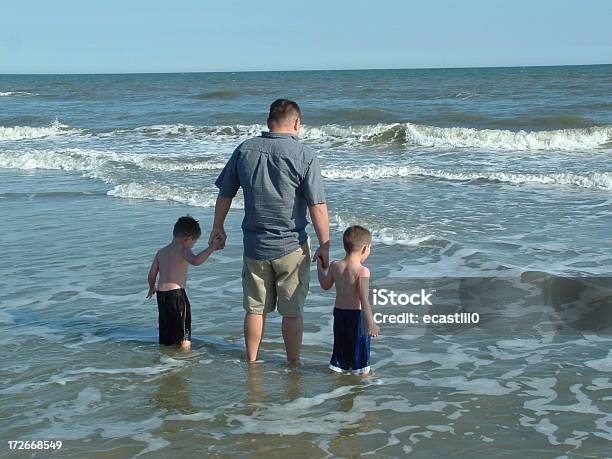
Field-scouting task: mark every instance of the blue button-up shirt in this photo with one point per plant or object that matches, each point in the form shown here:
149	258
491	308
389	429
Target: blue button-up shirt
280	178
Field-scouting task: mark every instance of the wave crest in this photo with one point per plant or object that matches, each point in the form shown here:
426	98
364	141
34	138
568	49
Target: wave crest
96	161
597	180
331	134
28	132
160	192
413	134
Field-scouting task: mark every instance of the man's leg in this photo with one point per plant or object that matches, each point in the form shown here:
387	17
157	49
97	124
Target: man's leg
293	329
254	325
292	281
259	298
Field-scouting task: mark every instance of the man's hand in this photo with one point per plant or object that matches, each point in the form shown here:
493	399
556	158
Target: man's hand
152	290
217	233
322	254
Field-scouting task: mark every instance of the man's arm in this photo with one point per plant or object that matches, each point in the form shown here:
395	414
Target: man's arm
320	221
326	278
364	291
222	207
152	277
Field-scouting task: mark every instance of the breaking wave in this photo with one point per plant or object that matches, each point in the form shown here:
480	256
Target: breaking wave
161	192
597	180
94	160
27	132
403	133
415	134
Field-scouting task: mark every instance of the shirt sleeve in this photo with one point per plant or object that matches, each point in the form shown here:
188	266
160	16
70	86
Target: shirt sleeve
312	186
228	182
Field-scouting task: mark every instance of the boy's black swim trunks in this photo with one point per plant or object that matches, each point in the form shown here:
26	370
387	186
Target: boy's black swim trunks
174	316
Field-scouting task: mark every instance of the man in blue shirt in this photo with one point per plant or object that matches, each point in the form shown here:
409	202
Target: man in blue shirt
280	179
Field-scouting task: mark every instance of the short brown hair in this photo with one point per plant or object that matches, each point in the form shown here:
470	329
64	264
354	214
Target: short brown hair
283	110
187	226
355	237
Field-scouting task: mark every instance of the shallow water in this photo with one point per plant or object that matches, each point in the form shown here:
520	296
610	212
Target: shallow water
87	199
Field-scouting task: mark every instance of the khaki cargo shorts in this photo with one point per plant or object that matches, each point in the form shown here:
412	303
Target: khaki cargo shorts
283	281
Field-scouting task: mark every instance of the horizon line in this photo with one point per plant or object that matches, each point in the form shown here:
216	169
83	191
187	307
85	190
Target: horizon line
310	70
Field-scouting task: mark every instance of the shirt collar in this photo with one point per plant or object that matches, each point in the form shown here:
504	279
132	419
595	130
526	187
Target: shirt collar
277	135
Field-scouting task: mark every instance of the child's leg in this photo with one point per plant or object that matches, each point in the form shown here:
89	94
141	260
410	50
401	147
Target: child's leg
186	316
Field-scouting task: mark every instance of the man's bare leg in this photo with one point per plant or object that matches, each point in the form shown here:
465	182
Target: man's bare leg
253	334
293	329
186	345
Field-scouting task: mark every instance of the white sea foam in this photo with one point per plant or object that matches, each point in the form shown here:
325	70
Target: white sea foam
68	160
597	180
27	132
84	160
159	192
296	416
153	443
383	235
458	137
167	365
478	386
603	365
409	133
16	93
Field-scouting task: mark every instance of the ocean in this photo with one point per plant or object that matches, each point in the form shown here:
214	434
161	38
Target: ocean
491	187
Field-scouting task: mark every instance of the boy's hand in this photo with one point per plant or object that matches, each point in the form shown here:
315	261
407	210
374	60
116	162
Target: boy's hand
217	233
319	263
217	243
152	290
373	330
322	254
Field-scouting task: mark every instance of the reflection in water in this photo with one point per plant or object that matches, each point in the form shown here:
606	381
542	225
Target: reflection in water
257	380
174	390
255	392
347	403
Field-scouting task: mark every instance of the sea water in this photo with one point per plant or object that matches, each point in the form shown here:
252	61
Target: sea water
498	179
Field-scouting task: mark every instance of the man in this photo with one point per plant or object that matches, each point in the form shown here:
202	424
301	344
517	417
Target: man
280	179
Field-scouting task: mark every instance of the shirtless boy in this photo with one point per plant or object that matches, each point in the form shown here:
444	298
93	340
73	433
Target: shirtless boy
171	263
353	321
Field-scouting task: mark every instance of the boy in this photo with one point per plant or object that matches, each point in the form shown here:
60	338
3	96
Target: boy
171	263
353	322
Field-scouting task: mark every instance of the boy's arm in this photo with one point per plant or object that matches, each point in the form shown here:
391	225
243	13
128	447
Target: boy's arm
201	257
326	277
364	291
152	276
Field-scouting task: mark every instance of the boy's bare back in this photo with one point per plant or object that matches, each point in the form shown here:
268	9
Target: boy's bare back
346	275
172	265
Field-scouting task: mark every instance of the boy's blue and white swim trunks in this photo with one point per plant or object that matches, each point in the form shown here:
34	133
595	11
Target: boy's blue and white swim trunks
351	342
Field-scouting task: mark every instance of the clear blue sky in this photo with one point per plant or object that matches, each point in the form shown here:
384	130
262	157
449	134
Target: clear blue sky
113	36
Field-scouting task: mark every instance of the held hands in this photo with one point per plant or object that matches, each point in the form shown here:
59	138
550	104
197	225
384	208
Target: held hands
217	243
322	254
319	263
217	233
